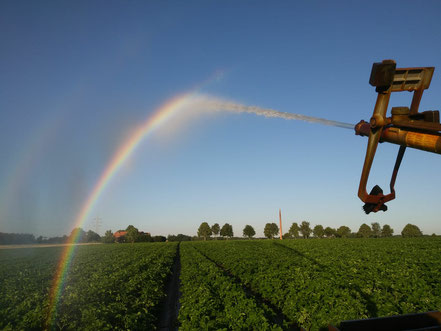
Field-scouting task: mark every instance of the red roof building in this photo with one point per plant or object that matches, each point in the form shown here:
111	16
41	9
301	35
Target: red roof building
119	234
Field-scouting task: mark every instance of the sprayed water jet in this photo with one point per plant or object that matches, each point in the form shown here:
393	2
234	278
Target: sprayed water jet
214	104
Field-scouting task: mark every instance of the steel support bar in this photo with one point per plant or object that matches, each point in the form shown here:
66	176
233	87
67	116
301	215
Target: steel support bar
430	142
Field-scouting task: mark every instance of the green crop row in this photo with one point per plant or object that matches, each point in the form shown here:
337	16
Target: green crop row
317	282
211	300
224	284
107	287
25	279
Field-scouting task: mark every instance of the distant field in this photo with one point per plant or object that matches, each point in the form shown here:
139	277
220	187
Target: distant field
43	245
257	284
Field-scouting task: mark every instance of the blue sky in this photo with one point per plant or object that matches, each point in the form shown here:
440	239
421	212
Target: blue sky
77	77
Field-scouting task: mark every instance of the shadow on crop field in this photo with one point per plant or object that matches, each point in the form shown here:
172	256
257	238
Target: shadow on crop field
371	306
311	259
279	318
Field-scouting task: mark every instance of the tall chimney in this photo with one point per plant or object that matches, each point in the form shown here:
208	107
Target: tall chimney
280	220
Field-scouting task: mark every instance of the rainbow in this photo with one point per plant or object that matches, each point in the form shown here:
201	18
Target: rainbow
26	161
161	115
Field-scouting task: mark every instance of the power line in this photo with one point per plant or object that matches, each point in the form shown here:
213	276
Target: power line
97	223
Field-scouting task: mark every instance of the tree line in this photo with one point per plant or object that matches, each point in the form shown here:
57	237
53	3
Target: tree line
205	231
305	231
132	235
81	236
24	238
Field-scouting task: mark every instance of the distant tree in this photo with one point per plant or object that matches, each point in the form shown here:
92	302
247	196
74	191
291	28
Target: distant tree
183	237
92	236
387	231
78	235
411	230
108	237
132	234
215	229
364	231
329	232
18	238
305	229
287	236
318	231
294	230
376	229
179	237
343	231
159	238
55	240
248	231
204	230
227	231
434	234
270	230
144	237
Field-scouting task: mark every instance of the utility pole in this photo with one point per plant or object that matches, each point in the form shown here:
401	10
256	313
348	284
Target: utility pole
280	221
97	223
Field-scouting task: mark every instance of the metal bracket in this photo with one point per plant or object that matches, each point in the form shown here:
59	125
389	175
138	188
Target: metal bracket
387	79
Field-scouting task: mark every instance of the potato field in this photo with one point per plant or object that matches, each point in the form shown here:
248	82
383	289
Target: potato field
234	284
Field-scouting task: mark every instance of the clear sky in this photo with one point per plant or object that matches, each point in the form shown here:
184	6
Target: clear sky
77	78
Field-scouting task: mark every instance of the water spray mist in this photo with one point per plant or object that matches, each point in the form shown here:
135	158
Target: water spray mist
214	104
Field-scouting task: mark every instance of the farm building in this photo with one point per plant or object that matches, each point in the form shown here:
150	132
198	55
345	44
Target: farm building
119	234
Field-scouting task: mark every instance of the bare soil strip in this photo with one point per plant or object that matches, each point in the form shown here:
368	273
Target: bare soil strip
170	307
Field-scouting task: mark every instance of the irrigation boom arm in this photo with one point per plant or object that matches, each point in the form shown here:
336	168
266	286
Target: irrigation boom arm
406	127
